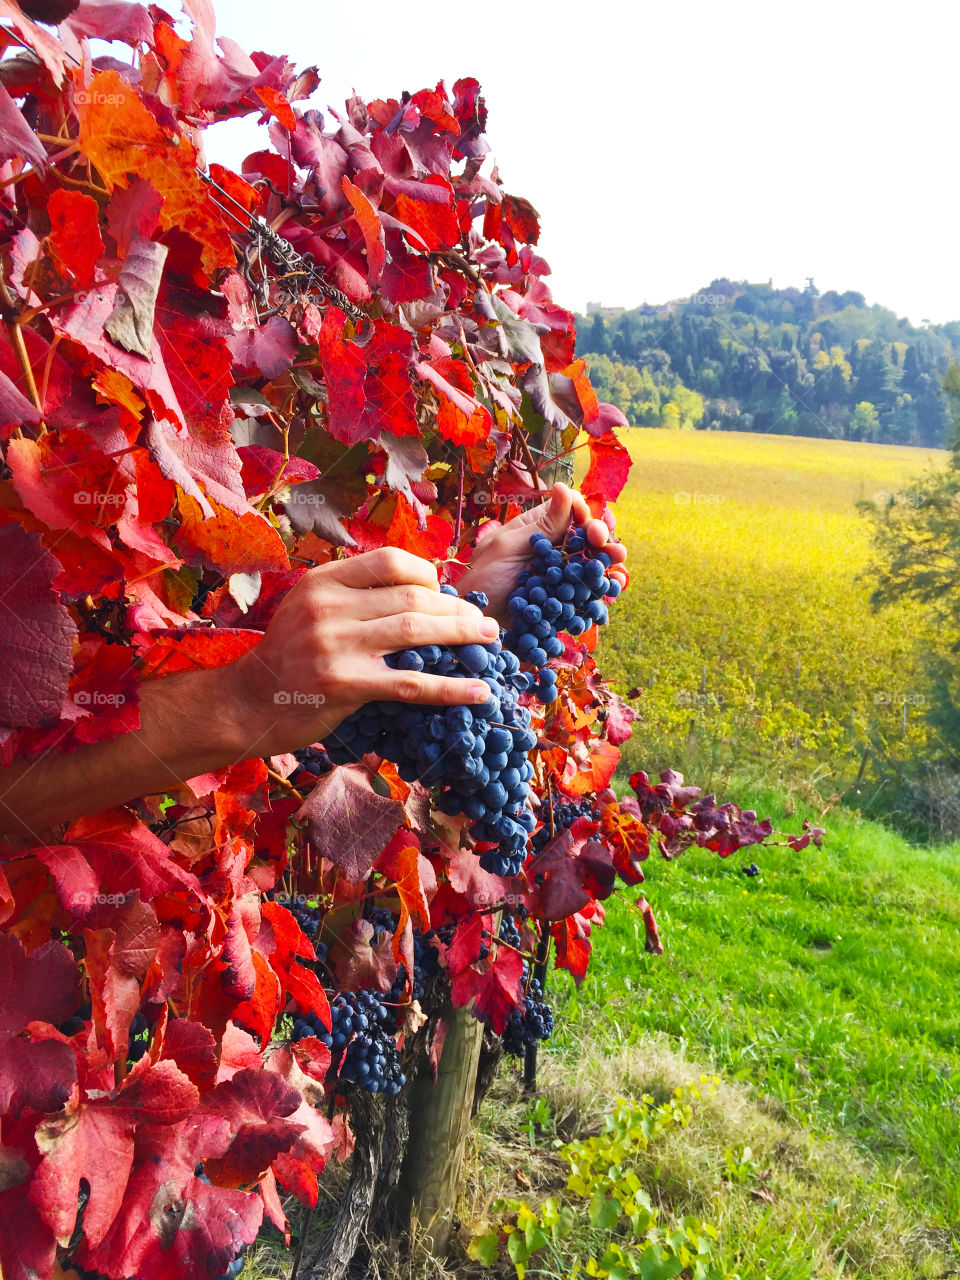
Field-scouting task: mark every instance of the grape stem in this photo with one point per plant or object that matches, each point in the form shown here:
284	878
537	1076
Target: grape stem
281	781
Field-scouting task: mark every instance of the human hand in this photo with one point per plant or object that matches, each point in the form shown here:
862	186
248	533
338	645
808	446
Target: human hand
505	553
322	655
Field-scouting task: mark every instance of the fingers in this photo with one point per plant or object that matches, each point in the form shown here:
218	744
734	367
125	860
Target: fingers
384	602
443	691
388	566
408	630
598	535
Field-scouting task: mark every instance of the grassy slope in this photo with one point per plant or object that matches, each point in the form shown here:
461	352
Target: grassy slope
829	983
745	626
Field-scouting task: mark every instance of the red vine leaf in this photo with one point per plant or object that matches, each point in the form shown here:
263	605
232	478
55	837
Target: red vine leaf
75	233
36	632
94	1142
36	988
347	822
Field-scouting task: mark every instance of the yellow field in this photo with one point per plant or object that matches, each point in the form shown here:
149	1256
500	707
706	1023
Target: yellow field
745	627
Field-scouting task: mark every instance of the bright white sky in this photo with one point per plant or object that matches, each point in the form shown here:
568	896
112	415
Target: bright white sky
665	144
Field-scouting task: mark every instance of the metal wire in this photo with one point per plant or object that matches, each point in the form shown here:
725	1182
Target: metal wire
297	269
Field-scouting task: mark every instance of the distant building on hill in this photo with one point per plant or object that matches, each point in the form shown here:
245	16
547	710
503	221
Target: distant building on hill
598	309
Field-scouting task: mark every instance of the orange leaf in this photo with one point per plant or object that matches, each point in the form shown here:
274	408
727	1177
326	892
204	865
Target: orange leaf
121	138
278	106
595	775
232	543
368	220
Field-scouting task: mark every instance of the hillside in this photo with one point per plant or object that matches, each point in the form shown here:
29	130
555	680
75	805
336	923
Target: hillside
751	641
748	357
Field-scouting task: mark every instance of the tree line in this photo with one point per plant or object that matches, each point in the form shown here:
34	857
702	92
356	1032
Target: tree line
748	357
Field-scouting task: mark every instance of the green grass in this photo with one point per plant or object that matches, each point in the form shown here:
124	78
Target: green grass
829	984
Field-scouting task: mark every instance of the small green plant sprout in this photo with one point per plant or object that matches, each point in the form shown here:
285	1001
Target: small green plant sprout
539	1117
740	1169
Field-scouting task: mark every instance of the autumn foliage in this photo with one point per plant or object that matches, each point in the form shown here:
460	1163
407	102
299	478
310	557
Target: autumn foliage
186	426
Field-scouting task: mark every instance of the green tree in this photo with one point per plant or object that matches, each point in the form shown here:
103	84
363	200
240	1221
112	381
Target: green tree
864	422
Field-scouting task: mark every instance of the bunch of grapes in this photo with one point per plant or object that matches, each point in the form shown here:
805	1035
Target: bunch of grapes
528	1025
78	1021
476	755
565	813
360	1034
425	966
509	932
563	591
383	923
138	1038
314	760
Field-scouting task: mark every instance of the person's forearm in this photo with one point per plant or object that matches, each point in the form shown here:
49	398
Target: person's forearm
191	723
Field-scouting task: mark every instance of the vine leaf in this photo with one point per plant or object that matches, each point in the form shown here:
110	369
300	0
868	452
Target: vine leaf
35	989
36	635
347	822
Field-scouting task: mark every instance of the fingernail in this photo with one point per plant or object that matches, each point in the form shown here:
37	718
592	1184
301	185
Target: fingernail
479	692
490	628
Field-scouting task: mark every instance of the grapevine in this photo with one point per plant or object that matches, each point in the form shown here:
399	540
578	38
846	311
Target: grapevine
211	384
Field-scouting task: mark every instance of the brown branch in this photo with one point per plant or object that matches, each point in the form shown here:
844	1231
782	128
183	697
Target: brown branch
284	782
521	439
8	307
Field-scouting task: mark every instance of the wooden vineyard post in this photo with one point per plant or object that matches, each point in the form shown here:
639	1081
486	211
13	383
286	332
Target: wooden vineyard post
439	1124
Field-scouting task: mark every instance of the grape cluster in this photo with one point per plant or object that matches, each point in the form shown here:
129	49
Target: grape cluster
78	1021
476	755
528	1025
509	932
360	1034
235	1267
425	966
314	760
139	1038
565	813
563	591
